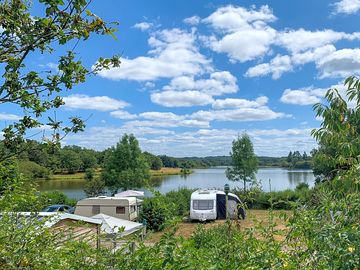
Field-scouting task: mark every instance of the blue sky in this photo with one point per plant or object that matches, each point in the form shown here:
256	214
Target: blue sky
196	74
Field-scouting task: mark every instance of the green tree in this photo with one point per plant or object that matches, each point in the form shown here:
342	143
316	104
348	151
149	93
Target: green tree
339	134
70	161
23	35
154	162
125	165
244	161
94	186
88	159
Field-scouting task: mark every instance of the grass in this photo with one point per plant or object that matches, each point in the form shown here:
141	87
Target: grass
81	175
165	171
254	217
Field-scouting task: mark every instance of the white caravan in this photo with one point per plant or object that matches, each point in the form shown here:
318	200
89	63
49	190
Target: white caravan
211	205
119	207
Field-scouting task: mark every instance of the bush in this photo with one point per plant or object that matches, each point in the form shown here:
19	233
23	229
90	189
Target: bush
54	197
154	212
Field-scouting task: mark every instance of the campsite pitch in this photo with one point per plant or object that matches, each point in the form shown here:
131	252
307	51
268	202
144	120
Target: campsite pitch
254	218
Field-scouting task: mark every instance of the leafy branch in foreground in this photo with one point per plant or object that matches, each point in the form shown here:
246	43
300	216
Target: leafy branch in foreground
339	134
64	25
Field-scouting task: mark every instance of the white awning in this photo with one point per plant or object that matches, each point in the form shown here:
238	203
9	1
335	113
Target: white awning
130	193
112	225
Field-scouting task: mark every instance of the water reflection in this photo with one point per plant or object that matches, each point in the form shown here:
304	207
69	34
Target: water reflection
280	179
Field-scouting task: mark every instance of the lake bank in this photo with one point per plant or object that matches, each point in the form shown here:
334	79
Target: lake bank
81	175
280	179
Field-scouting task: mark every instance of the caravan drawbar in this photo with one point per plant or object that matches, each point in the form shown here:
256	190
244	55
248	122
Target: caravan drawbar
211	205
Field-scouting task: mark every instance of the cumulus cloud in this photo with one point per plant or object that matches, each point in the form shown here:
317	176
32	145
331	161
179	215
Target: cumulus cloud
173	53
347	6
239	103
181	98
98	103
277	66
193	20
311	95
238	115
307	96
143	26
123	115
243	33
302	40
340	63
186	91
9	117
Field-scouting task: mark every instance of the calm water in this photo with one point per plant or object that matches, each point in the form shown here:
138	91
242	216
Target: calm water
201	178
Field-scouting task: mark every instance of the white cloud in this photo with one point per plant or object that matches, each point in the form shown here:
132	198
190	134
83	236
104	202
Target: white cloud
311	95
98	103
347	6
143	26
123	115
181	98
185	91
277	66
238	115
193	20
307	96
301	40
219	83
174	53
9	117
312	55
245	34
239	103
340	63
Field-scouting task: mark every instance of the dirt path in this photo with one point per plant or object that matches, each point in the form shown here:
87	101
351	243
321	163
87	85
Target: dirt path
254	217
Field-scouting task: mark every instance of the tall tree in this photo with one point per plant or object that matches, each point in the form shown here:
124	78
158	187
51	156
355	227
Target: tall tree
244	161
339	134
60	28
125	165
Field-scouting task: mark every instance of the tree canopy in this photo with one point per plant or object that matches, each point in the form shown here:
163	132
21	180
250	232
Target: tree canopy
36	92
244	161
125	166
339	134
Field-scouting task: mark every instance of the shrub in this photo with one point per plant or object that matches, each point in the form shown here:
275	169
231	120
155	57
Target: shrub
55	197
154	212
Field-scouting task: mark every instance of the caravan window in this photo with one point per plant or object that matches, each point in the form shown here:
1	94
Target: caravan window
203	204
120	210
96	209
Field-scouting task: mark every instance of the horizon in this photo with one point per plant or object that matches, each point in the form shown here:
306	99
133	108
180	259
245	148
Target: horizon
194	77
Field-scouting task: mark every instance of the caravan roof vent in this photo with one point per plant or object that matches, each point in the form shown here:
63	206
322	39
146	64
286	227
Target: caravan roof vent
204	192
102	197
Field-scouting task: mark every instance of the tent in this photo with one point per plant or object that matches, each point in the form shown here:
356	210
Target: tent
130	193
112	225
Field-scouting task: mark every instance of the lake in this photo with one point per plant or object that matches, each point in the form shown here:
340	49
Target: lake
280	179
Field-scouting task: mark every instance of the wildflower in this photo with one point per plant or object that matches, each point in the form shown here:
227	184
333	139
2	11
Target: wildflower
351	249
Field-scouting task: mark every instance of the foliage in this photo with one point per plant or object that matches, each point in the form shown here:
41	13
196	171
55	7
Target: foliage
154	212
32	170
125	166
54	197
37	92
339	134
94	187
70	161
153	161
244	160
